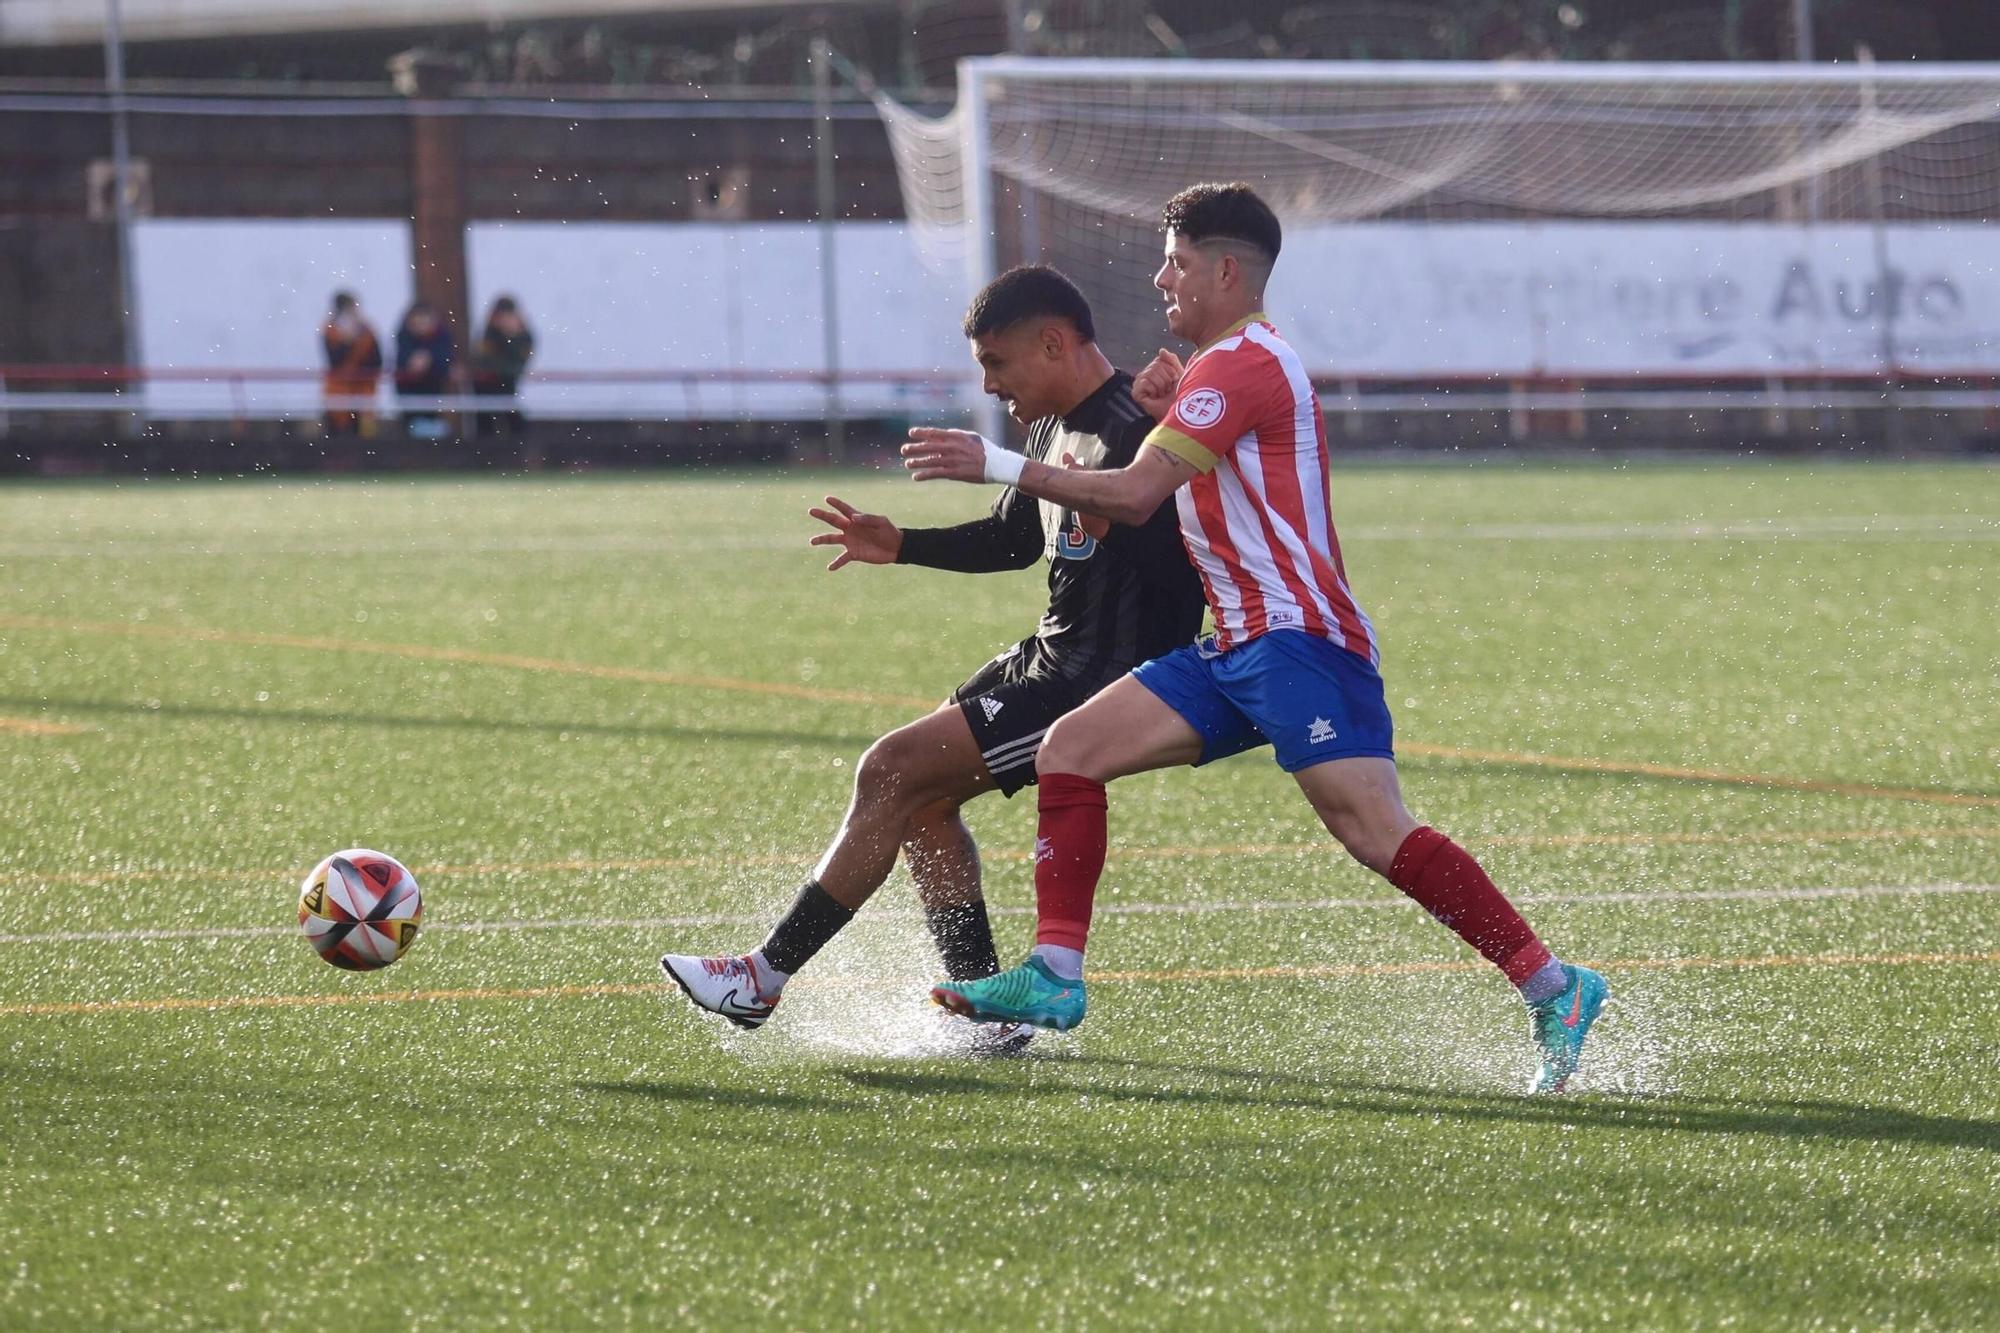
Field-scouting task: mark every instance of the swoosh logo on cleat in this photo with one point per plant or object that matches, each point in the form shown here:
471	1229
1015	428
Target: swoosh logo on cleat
1576	1009
731	1004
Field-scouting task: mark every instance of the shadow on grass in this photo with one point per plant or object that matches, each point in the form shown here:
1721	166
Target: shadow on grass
715	1094
1168	1083
329	718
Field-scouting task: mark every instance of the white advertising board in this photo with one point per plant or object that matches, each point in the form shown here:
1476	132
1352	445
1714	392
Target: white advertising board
719	298
252	293
672	311
669	316
1666	299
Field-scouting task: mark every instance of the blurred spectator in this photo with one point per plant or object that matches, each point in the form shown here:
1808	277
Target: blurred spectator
423	367
498	360
353	365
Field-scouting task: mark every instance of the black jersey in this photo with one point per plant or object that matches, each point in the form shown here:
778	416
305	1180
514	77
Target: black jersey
1114	602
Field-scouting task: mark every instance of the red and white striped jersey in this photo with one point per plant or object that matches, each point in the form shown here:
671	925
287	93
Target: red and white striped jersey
1258	521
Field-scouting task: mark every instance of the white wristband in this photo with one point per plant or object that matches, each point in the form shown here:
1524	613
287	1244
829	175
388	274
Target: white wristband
1002	464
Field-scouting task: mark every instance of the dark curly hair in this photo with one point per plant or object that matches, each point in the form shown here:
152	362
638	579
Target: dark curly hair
1215	212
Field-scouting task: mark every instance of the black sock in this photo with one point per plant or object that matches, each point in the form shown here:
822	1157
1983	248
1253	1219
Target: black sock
802	932
965	938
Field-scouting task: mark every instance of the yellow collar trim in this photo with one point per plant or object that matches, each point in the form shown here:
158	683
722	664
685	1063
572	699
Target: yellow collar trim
1254	317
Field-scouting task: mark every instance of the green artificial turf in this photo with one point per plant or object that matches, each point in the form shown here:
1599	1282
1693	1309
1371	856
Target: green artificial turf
602	718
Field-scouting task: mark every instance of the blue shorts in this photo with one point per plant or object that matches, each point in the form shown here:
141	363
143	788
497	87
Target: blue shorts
1307	697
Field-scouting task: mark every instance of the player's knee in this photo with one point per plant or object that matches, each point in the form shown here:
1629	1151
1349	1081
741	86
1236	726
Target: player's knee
1361	839
1065	749
882	773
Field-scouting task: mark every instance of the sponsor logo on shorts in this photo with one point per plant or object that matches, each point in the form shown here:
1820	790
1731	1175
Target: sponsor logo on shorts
990	706
1203	407
1320	731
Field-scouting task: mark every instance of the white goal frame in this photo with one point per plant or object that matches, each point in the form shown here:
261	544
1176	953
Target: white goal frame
977	77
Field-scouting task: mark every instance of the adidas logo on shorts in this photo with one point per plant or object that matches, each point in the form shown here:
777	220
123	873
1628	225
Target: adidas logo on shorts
990	706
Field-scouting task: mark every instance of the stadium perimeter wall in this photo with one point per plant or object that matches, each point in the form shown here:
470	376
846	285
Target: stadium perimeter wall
617	199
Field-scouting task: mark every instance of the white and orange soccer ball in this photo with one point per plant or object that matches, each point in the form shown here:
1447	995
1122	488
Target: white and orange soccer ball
360	909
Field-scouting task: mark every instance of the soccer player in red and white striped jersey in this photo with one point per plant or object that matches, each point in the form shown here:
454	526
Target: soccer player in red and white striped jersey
1292	663
1256	515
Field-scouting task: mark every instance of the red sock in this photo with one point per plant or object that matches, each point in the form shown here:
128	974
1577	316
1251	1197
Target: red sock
1444	878
1069	857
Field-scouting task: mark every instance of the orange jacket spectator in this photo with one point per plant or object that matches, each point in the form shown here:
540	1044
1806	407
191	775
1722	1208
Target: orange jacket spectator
353	364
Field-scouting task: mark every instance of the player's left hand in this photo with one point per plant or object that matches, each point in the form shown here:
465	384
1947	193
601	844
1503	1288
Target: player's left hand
944	455
868	538
1153	387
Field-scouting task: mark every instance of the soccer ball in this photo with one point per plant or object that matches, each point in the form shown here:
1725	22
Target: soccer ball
360	909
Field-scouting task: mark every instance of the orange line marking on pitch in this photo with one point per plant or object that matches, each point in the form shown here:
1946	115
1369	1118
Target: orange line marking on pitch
755	860
423	652
318	1001
29	726
465	656
1307	973
1336	970
1719	776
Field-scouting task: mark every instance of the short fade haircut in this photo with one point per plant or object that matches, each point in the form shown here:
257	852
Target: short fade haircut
1232	212
1028	292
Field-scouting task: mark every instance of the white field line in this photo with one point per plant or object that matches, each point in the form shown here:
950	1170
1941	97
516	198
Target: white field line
1856	527
1801	894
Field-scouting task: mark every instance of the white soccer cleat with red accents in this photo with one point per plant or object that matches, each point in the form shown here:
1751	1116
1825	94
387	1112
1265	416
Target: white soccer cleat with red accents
725	986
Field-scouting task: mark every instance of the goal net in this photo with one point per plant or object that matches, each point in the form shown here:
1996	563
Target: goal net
1449	222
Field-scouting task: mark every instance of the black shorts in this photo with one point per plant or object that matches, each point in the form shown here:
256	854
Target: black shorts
1012	701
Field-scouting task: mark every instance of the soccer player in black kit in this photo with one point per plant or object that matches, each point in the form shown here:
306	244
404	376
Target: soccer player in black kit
1118	596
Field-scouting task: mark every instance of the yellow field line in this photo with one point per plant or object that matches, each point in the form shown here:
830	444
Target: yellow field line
430	653
28	726
1333	971
1172	853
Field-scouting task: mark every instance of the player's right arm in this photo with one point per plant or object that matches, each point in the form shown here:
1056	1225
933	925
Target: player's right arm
1124	495
1204	410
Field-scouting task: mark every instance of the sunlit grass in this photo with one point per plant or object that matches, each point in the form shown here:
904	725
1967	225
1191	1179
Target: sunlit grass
1790	1117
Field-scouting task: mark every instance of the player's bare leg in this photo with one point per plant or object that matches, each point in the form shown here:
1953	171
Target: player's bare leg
1123	730
931	761
944	861
1126	729
1361	803
942	857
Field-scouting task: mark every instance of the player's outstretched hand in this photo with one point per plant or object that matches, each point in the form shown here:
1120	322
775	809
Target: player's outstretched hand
1153	388
869	538
944	455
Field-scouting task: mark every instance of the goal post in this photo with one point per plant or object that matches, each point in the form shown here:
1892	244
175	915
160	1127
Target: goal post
1482	234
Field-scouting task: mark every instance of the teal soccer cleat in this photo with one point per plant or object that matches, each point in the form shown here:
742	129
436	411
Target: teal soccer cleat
1029	993
1559	1025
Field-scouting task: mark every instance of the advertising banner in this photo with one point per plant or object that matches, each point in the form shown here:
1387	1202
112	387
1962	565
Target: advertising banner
1667	299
